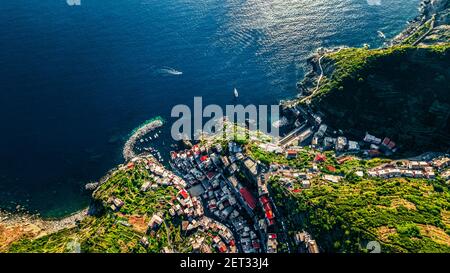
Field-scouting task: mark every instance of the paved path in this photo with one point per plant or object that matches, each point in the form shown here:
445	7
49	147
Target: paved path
433	20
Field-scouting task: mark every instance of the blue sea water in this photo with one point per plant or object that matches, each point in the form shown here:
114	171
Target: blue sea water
75	80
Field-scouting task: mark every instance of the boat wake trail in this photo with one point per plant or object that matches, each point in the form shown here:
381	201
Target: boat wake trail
169	71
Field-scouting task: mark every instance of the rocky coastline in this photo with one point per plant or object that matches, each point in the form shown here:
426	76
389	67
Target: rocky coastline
427	10
17	225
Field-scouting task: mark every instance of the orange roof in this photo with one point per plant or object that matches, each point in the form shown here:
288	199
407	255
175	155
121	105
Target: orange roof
268	211
222	248
344	159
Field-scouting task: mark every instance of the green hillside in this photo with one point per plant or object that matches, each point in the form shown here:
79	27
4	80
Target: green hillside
119	231
400	92
404	215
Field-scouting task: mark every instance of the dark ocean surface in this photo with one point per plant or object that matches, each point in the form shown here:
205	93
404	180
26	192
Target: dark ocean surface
76	80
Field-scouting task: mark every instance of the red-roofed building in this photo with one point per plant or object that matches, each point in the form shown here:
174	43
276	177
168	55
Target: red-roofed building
130	165
320	158
195	149
268	212
272	236
232	243
184	194
264	199
268	208
386	141
391	145
290	154
204	158
248	197
296	190
331	168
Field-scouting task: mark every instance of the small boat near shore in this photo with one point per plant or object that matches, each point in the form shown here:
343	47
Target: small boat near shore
236	93
381	34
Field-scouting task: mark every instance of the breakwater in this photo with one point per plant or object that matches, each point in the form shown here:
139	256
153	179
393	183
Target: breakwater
139	132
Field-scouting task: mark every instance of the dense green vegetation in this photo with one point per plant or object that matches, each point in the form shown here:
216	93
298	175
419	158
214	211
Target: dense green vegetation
399	92
404	215
118	231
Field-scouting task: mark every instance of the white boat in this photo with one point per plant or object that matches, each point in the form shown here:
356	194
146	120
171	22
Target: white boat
381	34
236	94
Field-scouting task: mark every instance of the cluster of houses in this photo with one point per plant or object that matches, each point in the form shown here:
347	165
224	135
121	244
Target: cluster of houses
263	206
446	175
289	176
378	146
184	206
340	144
413	169
313	131
441	163
370	146
234	206
222	237
244	206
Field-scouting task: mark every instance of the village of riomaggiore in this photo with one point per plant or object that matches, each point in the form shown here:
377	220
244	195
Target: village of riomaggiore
357	161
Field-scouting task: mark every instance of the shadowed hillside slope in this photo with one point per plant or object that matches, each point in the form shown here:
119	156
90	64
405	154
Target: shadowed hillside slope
400	92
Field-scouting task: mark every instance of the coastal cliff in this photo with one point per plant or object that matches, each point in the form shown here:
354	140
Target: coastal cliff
399	90
358	87
121	218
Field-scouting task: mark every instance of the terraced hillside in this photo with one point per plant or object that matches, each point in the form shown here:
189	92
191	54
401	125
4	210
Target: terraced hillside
403	215
118	230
